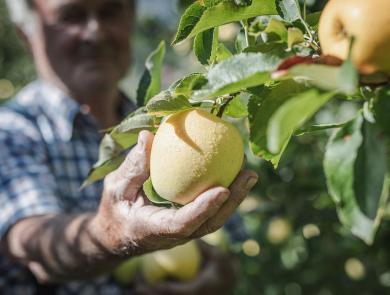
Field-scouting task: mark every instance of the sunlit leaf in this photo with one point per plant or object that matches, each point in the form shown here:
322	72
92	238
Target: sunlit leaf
277	28
349	77
263	103
165	103
236	108
237	73
324	77
205	46
198	18
295	36
289	10
108	149
153	196
126	133
102	169
317	128
186	85
292	115
150	83
222	53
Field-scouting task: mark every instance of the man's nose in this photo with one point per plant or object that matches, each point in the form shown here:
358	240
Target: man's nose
94	29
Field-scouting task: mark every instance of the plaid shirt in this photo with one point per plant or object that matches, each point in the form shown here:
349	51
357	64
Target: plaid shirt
48	145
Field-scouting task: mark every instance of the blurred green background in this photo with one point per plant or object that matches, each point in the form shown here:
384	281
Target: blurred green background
298	246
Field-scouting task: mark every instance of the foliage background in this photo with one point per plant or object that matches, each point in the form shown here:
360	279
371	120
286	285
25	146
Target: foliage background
299	246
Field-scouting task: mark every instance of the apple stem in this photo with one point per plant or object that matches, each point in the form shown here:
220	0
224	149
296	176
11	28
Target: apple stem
225	104
311	40
213	107
244	24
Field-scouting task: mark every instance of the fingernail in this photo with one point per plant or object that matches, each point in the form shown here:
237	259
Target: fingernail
141	141
251	182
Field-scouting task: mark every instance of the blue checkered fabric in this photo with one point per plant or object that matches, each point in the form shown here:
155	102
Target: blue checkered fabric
47	146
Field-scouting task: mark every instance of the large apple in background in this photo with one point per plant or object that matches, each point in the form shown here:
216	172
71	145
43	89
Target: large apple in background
192	152
368	21
181	263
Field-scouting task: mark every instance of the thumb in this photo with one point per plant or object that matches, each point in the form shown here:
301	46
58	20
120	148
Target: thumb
134	171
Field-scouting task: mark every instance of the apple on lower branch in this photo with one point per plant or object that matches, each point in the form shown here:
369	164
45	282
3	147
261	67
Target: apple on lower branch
180	263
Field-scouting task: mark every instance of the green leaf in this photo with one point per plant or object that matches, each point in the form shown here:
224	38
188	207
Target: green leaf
126	133
243	2
349	77
108	149
317	128
275	49
165	103
292	115
237	73
295	36
121	137
370	169
276	28
222	53
313	19
236	108
142	89
210	3
110	158
324	77
188	22
382	108
240	42
100	171
356	170
186	85
289	10
263	103
197	18
154	197
150	83
205	46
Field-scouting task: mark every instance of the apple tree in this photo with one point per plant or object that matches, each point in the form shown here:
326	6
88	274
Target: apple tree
275	80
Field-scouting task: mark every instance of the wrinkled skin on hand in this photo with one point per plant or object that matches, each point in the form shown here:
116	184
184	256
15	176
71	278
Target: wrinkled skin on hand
128	224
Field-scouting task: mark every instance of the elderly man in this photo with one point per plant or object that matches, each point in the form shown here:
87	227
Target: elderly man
52	234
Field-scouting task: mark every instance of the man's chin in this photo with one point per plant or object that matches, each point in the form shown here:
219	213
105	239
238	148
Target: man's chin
90	83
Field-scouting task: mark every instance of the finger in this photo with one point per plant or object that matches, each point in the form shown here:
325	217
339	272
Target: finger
128	179
238	191
183	222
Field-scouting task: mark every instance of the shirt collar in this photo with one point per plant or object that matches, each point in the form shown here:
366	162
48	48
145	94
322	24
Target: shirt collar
62	109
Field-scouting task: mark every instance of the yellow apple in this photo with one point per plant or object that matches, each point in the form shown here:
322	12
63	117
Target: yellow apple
217	239
152	272
125	272
181	263
193	151
368	21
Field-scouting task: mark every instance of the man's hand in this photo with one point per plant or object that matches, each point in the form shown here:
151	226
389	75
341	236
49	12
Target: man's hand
128	224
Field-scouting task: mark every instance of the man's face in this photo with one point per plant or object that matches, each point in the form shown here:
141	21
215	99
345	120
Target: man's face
83	43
